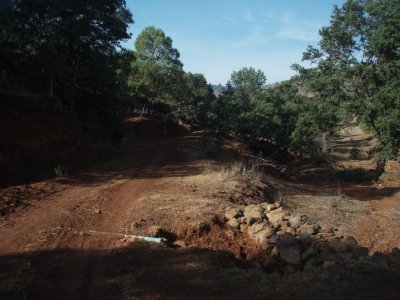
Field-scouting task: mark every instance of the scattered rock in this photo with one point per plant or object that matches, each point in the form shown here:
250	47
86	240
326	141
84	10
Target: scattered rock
350	241
286	240
231	213
309	229
305	239
276	215
338	245
346	255
295	221
257	215
380	259
290	254
180	244
360	251
243	227
271	206
274	239
234	223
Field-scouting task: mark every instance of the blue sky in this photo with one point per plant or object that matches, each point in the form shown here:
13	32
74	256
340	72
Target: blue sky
216	37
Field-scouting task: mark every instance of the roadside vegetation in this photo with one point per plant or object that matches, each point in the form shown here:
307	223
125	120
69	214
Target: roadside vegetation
71	52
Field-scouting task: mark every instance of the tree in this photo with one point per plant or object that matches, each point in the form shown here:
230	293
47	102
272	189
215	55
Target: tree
248	81
358	67
194	103
157	71
62	48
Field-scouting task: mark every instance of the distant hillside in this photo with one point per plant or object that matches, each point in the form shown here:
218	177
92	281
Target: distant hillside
218	89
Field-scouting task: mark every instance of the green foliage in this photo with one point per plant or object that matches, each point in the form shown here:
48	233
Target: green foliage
60	171
157	71
280	114
66	50
358	67
194	101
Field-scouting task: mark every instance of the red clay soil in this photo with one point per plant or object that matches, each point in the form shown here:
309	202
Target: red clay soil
65	245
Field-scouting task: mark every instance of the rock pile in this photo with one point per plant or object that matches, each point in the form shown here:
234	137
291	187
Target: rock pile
296	240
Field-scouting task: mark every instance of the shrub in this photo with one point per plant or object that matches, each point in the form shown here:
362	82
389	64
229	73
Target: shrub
60	171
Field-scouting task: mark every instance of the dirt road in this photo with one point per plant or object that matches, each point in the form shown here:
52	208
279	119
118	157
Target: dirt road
48	249
95	200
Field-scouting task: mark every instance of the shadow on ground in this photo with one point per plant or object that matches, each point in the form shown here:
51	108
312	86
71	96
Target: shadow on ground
144	271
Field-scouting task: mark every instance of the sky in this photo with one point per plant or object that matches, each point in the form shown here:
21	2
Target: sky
217	37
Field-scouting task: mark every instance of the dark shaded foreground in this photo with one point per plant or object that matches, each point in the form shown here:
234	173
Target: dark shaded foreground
149	271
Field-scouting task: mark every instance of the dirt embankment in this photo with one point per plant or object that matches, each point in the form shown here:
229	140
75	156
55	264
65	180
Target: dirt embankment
37	135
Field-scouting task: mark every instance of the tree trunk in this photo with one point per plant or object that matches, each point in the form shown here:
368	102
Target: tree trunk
380	168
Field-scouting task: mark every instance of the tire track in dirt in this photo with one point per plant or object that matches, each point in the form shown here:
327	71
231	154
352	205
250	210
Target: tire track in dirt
99	200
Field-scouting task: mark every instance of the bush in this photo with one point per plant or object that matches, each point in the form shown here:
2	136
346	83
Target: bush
60	171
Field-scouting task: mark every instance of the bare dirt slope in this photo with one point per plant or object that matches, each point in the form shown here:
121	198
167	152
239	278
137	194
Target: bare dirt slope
63	241
344	196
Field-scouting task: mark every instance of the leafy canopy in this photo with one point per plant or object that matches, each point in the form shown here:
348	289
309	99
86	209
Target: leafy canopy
357	67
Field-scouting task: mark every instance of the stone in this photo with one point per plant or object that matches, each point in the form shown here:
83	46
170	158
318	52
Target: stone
338	245
305	239
346	255
350	241
394	258
310	229
360	251
264	242
276	215
264	205
290	254
271	206
264	234
180	244
274	251
308	253
256	227
241	220
257	214
243	227
287	239
331	256
274	239
231	213
97	211
234	223
295	221
325	235
380	259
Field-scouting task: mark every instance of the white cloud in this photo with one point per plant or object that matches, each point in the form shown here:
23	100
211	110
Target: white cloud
295	28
